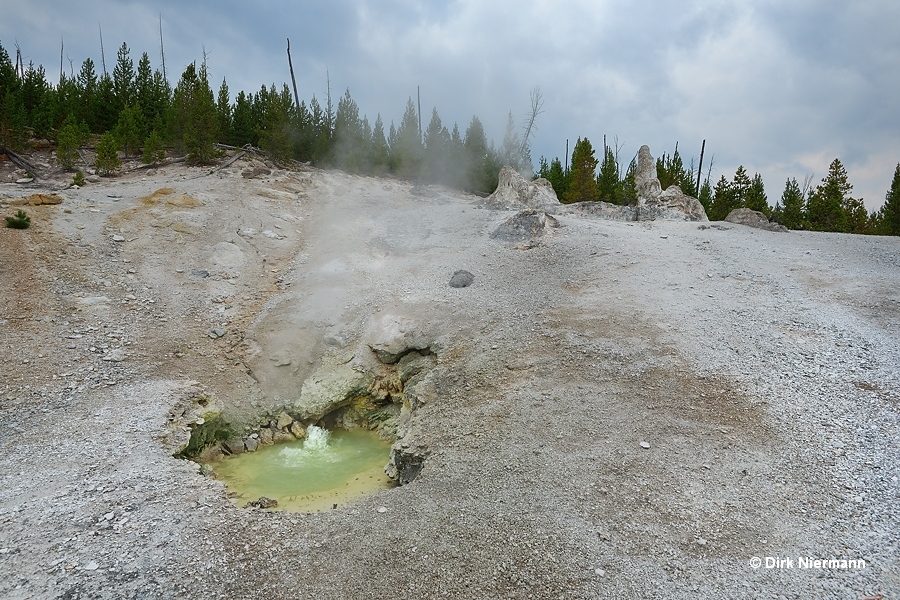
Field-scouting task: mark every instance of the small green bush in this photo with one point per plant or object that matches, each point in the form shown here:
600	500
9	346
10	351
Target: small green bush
78	179
19	221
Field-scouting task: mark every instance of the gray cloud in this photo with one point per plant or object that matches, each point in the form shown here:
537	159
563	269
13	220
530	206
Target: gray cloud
782	88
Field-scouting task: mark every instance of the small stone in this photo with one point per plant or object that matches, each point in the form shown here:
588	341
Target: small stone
91	566
382	509
217	333
201	273
298	430
600	572
284	420
701	542
200	421
461	279
118	238
24	180
645	445
251	444
114	355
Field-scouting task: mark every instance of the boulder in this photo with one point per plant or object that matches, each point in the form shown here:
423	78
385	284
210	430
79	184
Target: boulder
513	191
753	218
461	279
393	336
604	210
328	389
528	225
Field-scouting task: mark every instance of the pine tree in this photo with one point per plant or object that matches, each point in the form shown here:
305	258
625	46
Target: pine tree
706	196
223	112
558	178
437	150
107	159
194	119
608	177
409	150
792	205
275	135
123	78
722	200
825	206
739	188
511	150
154	151
477	161
380	151
243	129
625	190
349	149
582	185
756	196
890	212
67	142
130	129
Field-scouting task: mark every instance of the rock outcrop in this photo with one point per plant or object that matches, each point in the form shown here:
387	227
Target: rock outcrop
654	203
328	389
393	336
514	192
753	218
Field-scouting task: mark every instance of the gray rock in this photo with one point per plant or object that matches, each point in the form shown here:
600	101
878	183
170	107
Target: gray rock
645	445
406	462
646	182
527	225
754	218
654	203
513	191
201	273
330	388
262	502
118	238
284	420
265	436
114	355
251	444
394	336
461	279
217	333
234	446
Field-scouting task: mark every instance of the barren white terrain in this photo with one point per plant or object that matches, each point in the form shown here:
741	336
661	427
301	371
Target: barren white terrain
615	409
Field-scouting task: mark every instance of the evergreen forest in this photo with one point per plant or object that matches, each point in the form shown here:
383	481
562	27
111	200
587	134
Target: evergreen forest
135	112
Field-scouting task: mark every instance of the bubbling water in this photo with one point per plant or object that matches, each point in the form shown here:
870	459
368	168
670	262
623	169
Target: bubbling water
325	469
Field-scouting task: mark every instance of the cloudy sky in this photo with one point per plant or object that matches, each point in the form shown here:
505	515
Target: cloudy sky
782	87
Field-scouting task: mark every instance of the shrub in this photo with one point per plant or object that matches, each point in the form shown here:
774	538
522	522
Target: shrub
78	179
19	221
154	152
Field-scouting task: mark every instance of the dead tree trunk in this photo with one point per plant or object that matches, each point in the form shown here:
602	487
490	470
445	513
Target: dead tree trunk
293	80
700	166
19	161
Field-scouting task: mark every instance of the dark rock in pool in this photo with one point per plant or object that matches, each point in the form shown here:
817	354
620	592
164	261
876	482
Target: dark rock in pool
262	502
461	279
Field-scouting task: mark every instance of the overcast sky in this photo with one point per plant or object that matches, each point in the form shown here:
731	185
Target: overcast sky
782	86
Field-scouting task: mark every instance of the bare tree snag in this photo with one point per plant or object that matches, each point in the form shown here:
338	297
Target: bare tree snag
102	53
293	80
537	107
700	166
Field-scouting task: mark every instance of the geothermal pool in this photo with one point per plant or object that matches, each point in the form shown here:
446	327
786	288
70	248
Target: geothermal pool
311	475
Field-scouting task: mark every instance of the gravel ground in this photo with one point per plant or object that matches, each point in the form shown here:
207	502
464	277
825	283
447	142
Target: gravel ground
632	410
